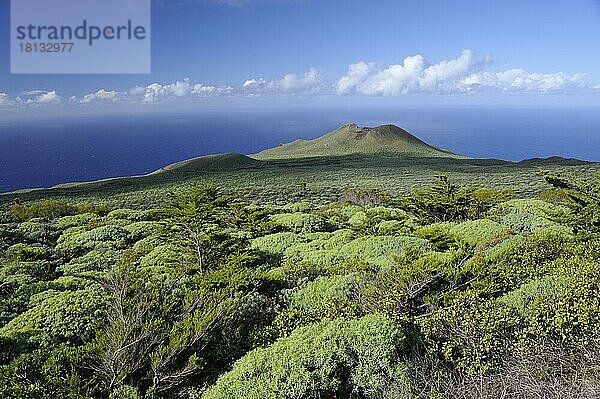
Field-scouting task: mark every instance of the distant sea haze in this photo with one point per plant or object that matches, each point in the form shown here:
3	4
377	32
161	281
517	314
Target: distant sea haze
43	153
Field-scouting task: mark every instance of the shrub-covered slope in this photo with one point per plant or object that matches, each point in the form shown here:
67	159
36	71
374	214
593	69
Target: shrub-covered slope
451	292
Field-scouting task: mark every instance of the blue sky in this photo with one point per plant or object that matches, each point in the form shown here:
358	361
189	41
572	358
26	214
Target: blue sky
507	50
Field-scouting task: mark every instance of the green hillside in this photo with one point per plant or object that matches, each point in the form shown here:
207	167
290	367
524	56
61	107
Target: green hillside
352	139
384	157
219	162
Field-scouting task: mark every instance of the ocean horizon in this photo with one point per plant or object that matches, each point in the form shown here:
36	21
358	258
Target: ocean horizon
49	151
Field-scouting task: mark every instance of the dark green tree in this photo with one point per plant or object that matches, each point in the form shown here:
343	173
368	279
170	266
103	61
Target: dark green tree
200	221
445	201
581	195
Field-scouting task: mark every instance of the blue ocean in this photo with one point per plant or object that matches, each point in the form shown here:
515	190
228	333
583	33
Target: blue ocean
45	152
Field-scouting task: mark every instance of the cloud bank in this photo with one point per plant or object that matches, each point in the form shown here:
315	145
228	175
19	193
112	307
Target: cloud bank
464	75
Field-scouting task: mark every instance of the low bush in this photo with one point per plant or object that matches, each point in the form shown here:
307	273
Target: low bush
339	358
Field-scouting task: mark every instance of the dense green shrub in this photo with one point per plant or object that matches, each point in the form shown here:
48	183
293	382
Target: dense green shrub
370	220
139	230
438	234
504	248
568	308
48	374
521	261
446	201
526	216
581	196
92	261
164	256
8	235
25	253
545	288
339	213
36	230
69	316
302	222
320	248
83	219
40	270
302	206
50	209
136	215
77	240
391	227
326	297
380	250
276	244
473	334
335	248
318	292
477	232
356	358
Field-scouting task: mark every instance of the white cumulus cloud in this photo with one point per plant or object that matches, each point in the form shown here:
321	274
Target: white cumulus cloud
44	98
179	88
311	82
252	84
414	74
5	100
356	74
519	80
308	82
137	91
207	90
102	95
462	75
154	92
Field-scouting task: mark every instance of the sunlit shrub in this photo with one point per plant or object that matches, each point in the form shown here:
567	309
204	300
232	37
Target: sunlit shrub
302	222
391	227
132	215
302	206
82	219
25	253
139	230
50	209
546	288
67	316
474	232
37	231
329	359
276	244
326	297
380	250
163	256
526	216
502	249
321	247
76	240
90	262
438	234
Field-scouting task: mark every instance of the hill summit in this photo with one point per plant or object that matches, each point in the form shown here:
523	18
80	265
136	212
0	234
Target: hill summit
352	139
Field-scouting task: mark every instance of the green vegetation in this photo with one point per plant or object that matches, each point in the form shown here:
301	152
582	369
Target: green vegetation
351	139
182	289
